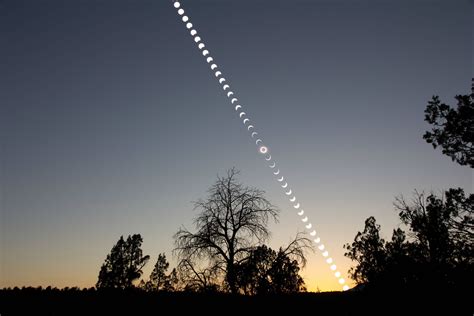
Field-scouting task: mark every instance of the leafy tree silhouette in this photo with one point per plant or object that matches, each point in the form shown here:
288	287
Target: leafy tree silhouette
442	229
452	129
123	265
438	251
159	280
158	277
368	251
266	271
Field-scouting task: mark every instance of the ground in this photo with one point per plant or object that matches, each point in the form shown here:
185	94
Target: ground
91	302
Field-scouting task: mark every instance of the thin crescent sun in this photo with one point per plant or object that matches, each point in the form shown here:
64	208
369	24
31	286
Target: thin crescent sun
237	107
300	213
293	199
297	205
270	158
253	134
249	127
289	192
281	179
245	121
229	94
241	114
258	141
284	185
233	100
272	165
277	172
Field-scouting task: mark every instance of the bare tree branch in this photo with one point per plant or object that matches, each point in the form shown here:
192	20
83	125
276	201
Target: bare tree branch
232	220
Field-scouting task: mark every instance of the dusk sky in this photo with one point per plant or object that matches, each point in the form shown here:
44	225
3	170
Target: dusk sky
112	124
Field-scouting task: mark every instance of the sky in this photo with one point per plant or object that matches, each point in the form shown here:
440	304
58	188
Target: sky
112	124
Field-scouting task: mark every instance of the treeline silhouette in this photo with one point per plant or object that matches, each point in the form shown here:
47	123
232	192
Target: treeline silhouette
435	252
224	264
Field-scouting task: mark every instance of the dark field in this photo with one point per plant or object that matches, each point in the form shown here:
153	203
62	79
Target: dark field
32	301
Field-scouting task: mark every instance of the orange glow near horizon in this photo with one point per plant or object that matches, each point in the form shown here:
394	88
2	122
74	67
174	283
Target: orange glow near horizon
310	287
316	279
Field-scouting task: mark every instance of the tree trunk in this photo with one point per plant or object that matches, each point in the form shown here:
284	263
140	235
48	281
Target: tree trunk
231	278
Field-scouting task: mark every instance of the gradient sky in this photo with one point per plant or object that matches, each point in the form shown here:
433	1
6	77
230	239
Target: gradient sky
112	123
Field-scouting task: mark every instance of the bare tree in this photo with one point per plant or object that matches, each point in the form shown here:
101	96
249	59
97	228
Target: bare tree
231	222
297	248
195	278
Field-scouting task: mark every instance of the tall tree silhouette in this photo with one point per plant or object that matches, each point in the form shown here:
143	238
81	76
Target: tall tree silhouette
159	280
368	251
124	264
452	129
231	222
